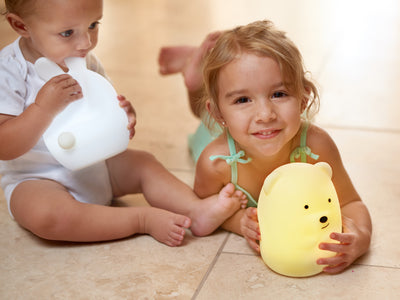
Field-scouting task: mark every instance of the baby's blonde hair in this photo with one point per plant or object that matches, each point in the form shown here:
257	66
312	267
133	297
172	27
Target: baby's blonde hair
261	38
19	7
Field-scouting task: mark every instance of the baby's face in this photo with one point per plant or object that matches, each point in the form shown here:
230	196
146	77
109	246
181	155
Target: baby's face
62	28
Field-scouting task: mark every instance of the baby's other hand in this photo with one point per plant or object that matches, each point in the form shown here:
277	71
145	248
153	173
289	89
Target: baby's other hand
57	93
352	244
250	229
130	112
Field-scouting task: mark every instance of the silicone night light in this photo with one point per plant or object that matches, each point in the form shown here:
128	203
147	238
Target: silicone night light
90	129
298	208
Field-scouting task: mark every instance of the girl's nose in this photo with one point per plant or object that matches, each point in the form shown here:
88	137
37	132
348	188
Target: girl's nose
265	111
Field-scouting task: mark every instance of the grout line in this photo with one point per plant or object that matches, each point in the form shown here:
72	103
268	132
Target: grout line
375	266
203	281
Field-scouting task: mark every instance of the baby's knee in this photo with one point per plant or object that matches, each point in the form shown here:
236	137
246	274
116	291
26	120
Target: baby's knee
42	221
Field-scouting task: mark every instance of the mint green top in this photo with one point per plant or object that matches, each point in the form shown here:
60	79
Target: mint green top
234	158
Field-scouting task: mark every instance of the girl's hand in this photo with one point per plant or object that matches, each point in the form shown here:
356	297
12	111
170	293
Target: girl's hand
130	112
353	243
250	229
57	93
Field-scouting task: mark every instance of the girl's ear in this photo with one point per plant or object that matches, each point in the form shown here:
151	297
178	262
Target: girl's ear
17	24
214	112
304	101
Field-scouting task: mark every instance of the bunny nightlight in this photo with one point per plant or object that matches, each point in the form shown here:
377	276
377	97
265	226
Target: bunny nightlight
90	129
298	209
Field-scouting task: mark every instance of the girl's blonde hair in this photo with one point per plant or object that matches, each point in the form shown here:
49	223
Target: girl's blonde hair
261	38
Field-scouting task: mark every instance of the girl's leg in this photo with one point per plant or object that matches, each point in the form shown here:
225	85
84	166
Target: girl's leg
139	172
46	209
188	61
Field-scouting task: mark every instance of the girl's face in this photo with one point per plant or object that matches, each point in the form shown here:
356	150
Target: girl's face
256	107
58	29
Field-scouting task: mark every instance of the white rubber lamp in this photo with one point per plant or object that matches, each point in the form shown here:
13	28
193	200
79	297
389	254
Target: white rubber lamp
298	209
90	129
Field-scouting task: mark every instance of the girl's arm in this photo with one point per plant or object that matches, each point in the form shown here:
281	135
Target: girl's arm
357	225
19	134
210	177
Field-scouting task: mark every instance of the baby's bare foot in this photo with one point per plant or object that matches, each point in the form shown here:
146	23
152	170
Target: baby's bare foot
216	209
166	227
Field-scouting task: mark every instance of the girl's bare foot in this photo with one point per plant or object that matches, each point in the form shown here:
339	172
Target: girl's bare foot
193	69
213	212
187	60
166	227
171	60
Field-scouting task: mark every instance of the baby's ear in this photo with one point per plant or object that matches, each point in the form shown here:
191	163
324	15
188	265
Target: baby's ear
47	69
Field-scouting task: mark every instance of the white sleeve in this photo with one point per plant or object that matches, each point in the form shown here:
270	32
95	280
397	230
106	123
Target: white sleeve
13	88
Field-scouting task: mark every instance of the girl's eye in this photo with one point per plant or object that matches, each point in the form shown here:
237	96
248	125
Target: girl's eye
242	100
67	33
94	25
278	95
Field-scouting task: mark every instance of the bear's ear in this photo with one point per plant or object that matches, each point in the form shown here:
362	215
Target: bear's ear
270	181
47	69
325	167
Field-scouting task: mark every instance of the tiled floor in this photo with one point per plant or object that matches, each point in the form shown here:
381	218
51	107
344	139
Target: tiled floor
351	47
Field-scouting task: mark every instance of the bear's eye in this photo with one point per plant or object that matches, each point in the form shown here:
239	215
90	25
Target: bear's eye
329	200
306	206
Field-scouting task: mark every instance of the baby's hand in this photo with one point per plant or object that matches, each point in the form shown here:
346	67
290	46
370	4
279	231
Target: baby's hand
353	243
250	229
57	93
130	112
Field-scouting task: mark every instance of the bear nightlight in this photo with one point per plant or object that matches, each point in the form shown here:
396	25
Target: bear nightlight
90	129
298	209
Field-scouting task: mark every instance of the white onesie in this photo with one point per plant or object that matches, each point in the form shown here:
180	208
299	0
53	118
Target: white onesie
19	84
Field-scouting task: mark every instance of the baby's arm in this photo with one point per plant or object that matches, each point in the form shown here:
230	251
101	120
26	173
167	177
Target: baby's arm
357	226
19	134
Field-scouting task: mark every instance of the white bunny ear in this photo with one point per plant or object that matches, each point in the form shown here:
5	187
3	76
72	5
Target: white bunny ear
47	69
75	64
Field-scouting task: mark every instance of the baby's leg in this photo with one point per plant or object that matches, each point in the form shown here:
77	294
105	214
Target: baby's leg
139	172
46	209
188	60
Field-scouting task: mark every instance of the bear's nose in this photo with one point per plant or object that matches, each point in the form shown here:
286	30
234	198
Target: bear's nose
323	219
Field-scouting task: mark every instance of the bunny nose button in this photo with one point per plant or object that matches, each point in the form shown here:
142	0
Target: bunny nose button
66	140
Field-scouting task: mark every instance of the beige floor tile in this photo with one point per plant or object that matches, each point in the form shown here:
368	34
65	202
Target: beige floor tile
135	268
246	277
351	48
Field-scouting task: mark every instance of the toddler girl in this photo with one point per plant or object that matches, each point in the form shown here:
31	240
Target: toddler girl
257	91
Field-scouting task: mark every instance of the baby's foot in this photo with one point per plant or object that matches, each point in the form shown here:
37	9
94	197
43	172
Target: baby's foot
214	210
166	227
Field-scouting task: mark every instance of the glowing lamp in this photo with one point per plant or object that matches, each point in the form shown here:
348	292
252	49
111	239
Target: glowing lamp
298	209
